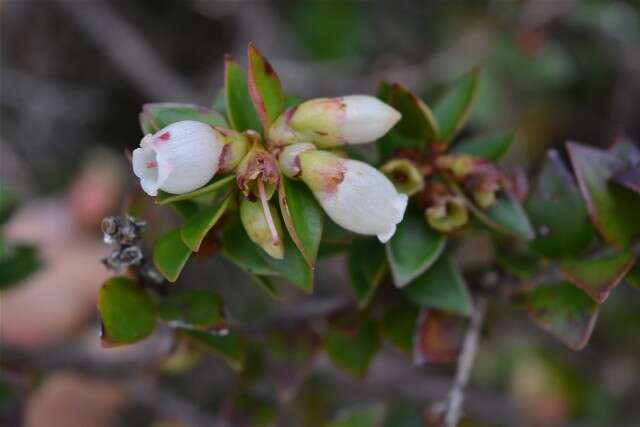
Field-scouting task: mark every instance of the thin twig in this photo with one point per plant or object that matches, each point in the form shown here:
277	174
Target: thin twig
465	364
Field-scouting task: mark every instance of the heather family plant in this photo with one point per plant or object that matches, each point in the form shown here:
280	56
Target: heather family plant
273	184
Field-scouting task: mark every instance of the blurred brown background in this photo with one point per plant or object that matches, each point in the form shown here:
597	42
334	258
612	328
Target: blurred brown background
73	77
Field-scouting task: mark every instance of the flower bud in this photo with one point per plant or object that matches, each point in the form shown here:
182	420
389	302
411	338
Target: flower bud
264	230
235	148
404	175
289	158
449	214
354	194
329	122
180	158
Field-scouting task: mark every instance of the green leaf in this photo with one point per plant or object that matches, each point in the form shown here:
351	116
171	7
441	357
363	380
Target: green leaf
565	312
488	147
439	336
557	211
240	110
392	140
613	209
171	254
598	276
264	87
370	416
453	110
199	224
186	208
292	267
216	184
127	313
229	346
633	276
520	262
17	262
8	205
242	251
192	309
417	119
266	284
413	248
366	268
398	326
505	216
302	217
155	116
353	350
442	286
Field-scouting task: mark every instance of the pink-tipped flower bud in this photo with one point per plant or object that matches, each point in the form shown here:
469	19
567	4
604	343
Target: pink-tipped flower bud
354	195
330	122
180	158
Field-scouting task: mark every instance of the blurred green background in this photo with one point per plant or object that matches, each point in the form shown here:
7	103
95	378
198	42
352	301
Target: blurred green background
73	77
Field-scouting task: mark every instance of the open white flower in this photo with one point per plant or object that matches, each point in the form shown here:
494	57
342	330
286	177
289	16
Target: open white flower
354	194
180	158
330	122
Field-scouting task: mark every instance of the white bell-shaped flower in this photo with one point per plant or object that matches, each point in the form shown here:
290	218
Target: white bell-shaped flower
354	194
330	122
180	158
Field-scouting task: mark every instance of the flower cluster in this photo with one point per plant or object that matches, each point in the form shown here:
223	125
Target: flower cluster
301	145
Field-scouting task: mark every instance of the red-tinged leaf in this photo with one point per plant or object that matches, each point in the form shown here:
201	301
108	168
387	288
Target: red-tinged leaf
597	277
302	217
438	336
565	312
417	119
240	110
264	87
629	178
613	209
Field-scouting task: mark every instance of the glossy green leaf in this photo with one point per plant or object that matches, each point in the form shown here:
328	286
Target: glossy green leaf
199	224
242	251
302	216
565	312
217	183
557	212
155	116
186	208
8	205
633	276
505	216
366	268
17	262
127	313
613	209
442	286
369	416
353	349
413	248
267	285
170	255
230	346
398	326
488	147
240	110
438	337
292	267
392	140
417	119
598	276
453	110
264	87
192	309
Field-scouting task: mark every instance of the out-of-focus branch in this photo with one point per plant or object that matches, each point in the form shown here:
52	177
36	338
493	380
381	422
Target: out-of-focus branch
465	364
128	50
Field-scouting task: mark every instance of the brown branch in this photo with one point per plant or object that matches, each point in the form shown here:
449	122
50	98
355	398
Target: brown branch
465	365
